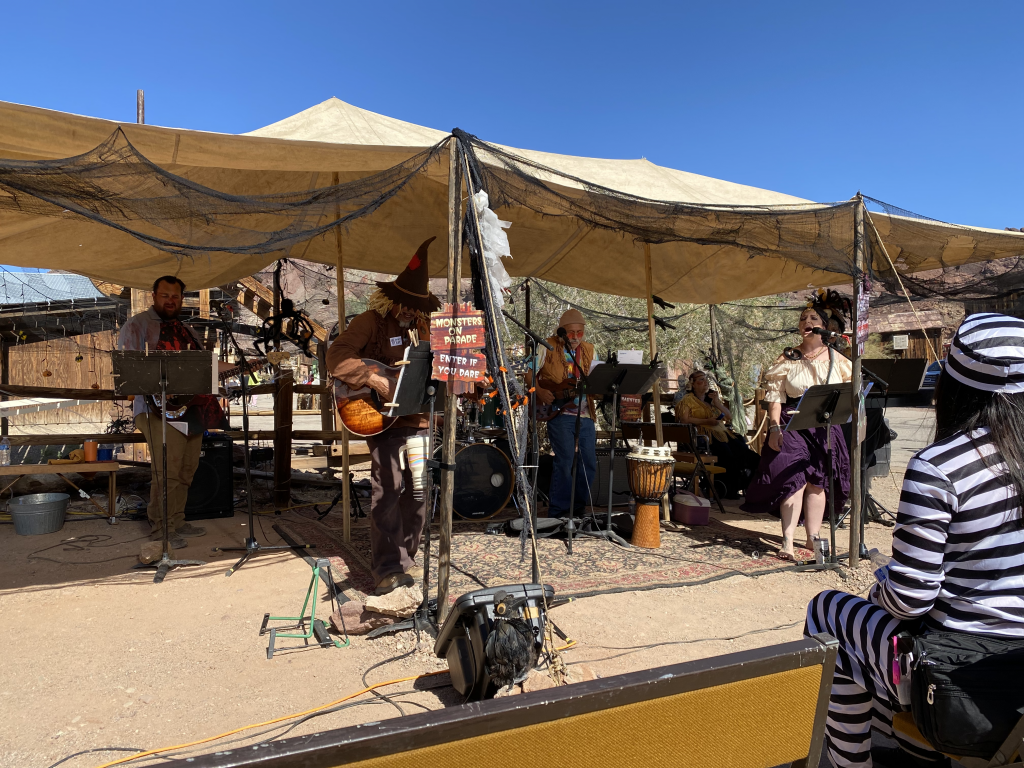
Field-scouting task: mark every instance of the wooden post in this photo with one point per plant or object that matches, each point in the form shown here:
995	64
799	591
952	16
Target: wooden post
140	110
326	400
448	443
283	439
346	489
5	379
656	389
859	246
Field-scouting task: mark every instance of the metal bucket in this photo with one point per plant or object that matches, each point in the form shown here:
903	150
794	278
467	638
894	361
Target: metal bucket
38	513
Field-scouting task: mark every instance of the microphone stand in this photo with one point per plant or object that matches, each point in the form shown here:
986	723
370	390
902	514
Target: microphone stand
534	339
581	389
252	547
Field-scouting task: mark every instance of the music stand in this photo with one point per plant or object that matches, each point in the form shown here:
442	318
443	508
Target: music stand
410	394
820	406
163	373
614	379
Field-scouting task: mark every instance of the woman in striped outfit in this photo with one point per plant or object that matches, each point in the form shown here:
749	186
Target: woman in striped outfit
958	545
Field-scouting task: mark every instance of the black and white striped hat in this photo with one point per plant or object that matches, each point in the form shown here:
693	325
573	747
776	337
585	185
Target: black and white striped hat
988	353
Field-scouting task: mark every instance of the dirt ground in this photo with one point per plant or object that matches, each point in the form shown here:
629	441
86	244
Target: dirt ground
96	655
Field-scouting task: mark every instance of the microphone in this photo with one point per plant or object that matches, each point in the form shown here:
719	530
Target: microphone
826	335
561	332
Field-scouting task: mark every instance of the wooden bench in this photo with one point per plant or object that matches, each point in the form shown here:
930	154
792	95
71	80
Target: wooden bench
81	468
753	709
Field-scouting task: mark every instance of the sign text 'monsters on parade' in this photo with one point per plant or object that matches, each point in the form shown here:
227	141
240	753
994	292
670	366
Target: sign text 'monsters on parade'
454	337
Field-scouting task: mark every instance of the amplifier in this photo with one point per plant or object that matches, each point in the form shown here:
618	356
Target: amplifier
599	489
212	493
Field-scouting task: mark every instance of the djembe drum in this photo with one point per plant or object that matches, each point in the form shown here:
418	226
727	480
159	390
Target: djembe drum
650	472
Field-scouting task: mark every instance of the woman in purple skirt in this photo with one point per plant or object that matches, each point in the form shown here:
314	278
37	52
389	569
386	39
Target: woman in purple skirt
791	477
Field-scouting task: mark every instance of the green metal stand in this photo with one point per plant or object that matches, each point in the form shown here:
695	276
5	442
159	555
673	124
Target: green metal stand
311	626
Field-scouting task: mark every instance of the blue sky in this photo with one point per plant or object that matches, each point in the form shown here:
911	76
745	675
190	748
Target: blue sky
920	104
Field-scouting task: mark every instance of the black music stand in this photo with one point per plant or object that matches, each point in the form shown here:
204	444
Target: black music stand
820	406
614	379
163	373
410	395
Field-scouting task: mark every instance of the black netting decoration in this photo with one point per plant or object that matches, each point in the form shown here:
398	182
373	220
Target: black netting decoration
114	184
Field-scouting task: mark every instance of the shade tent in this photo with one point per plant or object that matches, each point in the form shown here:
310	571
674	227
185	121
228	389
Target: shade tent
575	221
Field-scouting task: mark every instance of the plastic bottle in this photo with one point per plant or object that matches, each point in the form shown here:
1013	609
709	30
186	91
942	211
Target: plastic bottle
880	563
5	452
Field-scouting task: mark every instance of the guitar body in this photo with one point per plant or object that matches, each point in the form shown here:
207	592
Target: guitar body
360	409
563	398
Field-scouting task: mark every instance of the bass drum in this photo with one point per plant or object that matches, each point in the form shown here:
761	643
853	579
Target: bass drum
483	482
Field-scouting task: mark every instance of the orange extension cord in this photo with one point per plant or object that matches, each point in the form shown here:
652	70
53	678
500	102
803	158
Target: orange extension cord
150	752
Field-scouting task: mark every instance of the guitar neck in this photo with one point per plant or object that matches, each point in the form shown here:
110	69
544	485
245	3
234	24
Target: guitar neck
238	369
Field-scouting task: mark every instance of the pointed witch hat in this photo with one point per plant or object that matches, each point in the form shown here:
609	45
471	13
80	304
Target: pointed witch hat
410	289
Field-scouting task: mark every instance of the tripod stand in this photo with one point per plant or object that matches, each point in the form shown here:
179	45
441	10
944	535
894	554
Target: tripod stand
819	406
615	379
252	547
186	372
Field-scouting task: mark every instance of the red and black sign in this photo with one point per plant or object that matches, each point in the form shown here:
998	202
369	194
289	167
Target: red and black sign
454	339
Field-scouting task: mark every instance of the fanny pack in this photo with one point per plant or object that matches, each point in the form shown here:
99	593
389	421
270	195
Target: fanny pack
966	691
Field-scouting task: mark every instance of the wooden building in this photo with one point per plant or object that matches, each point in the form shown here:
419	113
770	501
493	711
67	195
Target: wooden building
910	335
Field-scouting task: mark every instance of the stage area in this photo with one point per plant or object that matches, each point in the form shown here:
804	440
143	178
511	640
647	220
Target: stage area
96	655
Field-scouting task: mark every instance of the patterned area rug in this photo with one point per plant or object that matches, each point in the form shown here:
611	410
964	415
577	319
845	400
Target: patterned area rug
688	555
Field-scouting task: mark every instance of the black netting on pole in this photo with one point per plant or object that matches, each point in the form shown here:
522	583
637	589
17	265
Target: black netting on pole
815	235
114	184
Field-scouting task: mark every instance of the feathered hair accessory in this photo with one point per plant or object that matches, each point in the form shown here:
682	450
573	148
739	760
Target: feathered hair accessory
832	306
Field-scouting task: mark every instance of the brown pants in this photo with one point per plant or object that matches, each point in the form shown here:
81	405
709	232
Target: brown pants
182	462
396	518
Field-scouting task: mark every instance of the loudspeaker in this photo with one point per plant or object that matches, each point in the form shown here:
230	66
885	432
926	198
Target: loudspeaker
599	490
212	493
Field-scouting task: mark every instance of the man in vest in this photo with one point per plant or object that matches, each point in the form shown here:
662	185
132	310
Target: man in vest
381	333
558	374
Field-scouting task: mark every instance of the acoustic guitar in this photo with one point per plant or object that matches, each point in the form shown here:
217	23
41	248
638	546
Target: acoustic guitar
361	409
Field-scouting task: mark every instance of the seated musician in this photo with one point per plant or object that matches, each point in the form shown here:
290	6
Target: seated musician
703	407
159	328
557	375
381	333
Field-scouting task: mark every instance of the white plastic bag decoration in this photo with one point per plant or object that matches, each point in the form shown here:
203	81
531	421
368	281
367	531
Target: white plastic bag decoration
495	245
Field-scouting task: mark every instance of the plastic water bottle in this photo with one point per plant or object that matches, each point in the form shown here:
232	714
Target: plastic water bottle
5	452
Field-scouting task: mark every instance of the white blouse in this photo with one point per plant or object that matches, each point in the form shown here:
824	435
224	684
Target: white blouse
791	378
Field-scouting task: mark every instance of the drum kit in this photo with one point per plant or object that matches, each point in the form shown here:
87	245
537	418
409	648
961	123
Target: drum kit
484	476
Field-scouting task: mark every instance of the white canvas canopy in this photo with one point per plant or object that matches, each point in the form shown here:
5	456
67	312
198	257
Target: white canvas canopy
306	150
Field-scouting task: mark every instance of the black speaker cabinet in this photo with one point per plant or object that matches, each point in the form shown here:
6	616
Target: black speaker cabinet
621	479
212	493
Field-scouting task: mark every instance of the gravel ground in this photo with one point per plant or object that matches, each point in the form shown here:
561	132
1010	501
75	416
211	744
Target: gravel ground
97	655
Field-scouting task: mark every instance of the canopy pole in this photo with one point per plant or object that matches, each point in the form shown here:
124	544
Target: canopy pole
448	441
856	475
346	488
656	390
138	296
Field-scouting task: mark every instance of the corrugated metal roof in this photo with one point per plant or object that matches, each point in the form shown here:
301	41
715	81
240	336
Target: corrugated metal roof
29	287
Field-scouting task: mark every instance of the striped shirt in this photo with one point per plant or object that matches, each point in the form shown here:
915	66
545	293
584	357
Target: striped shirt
958	545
